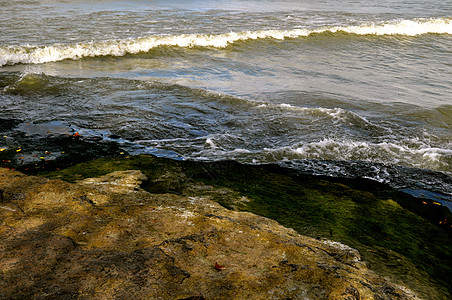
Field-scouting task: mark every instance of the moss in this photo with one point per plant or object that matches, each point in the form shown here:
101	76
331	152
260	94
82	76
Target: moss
392	236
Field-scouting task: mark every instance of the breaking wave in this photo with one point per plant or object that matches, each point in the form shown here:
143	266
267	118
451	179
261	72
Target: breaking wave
408	153
35	54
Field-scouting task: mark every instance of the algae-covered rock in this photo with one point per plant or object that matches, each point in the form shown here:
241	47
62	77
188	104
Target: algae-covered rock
403	238
107	238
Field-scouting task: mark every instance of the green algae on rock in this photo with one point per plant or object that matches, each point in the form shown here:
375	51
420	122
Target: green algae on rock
106	238
386	226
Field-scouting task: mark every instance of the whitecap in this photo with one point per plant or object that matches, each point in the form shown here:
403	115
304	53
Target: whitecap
35	54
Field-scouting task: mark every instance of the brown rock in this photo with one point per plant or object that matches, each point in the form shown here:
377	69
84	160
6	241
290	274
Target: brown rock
105	238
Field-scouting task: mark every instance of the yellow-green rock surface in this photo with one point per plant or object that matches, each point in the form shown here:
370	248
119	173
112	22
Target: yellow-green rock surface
106	238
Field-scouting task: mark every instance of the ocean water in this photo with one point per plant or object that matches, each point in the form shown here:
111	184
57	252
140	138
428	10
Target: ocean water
341	88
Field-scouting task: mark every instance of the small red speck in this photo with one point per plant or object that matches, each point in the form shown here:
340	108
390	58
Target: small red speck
219	267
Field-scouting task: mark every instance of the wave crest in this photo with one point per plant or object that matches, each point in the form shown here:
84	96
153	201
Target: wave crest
403	27
33	54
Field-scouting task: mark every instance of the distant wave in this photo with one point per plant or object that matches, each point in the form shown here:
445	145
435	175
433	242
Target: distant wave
35	54
403	27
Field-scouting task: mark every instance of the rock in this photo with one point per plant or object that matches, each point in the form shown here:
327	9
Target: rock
106	238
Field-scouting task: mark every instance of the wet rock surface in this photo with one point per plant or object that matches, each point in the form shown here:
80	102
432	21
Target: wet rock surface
107	238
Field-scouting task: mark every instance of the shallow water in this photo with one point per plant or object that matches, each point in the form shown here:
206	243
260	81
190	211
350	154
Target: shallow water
324	83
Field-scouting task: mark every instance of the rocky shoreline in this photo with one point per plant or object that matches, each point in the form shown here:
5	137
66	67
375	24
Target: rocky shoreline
106	237
154	228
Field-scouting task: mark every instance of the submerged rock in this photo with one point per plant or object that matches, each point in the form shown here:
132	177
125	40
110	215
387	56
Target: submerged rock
108	238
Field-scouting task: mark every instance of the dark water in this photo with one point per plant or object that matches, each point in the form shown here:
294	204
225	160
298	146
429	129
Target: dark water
341	88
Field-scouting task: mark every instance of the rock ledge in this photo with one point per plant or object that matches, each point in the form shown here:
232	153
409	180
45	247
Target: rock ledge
106	238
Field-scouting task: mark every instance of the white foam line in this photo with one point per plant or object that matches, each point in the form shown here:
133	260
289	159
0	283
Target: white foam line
34	54
421	156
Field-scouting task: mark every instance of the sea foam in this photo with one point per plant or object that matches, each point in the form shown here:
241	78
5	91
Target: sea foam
36	54
401	152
